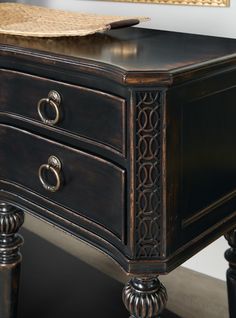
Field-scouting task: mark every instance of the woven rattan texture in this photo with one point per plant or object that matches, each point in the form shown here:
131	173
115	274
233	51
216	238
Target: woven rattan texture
27	20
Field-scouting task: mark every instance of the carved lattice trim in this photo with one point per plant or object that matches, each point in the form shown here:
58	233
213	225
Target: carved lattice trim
148	174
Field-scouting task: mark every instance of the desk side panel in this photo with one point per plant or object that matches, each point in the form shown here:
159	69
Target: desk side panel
201	163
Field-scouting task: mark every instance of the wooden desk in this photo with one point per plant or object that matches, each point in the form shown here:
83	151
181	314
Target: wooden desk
125	140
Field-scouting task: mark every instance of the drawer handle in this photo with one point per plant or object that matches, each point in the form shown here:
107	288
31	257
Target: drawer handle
54	166
54	100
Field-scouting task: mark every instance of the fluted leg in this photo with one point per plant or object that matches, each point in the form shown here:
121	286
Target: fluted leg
144	297
230	256
11	220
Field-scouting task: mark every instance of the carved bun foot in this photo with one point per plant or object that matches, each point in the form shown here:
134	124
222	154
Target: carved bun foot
11	220
144	297
230	256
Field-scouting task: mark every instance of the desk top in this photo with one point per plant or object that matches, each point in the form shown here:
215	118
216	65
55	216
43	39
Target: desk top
155	56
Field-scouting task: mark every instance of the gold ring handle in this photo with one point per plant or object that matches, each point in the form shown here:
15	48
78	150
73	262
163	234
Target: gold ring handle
54	166
54	101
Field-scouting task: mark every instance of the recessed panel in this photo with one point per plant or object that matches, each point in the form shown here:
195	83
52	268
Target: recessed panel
208	153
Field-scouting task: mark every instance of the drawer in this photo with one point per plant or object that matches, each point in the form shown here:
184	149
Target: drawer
91	187
86	113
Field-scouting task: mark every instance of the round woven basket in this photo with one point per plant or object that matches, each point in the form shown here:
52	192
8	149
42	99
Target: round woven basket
27	20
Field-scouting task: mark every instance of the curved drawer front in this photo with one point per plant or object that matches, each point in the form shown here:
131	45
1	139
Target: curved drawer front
84	112
90	186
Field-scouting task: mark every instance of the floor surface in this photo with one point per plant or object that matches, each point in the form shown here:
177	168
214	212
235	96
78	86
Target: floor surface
57	285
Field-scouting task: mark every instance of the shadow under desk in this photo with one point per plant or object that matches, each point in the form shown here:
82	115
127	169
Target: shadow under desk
55	284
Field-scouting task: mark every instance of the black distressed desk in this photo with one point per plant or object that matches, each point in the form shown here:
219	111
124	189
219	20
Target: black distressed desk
126	140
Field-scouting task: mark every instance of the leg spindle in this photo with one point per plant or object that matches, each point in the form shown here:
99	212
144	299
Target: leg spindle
144	297
11	220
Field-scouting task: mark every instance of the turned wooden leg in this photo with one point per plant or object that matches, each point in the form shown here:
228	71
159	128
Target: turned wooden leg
144	297
11	220
230	256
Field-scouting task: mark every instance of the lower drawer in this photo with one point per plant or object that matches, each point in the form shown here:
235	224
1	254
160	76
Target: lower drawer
90	186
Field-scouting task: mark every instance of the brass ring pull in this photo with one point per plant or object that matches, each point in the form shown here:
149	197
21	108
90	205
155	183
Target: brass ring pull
54	166
54	101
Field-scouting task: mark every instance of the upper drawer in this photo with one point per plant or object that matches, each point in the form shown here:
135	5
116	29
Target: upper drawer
84	112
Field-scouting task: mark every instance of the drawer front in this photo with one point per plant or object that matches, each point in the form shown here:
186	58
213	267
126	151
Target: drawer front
84	112
90	186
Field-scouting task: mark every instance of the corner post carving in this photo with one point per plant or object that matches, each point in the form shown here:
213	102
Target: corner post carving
144	297
148	174
11	220
230	256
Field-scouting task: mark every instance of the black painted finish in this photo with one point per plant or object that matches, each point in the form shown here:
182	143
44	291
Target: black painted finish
114	120
134	51
84	179
9	282
145	140
80	108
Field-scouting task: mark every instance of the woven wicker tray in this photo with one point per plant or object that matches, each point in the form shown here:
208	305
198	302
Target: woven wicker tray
27	20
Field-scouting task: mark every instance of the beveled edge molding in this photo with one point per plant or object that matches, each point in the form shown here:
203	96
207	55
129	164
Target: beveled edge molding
208	3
